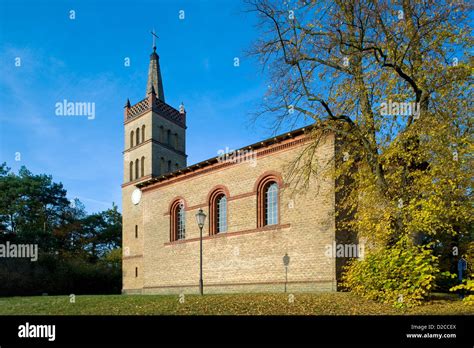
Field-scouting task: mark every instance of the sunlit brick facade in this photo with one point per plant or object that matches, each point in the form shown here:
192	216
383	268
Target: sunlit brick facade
259	219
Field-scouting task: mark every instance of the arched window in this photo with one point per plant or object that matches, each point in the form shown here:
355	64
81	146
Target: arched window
138	136
218	210
143	133
168	137
132	133
271	203
162	166
137	167
175	140
178	220
221	214
162	134
142	169
169	166
268	199
131	171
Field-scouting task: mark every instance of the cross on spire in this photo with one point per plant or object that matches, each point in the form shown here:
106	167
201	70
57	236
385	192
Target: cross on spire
153	33
155	84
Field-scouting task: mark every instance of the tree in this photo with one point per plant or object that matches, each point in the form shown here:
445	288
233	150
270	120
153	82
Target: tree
78	253
392	80
102	232
31	206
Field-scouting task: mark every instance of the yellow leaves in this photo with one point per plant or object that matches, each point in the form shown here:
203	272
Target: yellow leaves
468	288
342	303
402	275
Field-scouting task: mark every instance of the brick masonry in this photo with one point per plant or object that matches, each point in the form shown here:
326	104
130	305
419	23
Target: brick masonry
245	258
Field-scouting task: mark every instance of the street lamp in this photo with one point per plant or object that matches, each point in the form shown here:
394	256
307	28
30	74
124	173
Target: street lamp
286	262
200	219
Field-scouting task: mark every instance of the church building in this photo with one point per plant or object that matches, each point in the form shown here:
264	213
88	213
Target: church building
257	237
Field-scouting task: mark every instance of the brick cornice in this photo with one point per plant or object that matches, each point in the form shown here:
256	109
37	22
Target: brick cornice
183	175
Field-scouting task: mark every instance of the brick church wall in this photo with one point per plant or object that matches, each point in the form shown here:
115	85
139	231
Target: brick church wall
245	258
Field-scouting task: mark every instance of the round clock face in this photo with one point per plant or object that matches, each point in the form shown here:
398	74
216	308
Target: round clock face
136	196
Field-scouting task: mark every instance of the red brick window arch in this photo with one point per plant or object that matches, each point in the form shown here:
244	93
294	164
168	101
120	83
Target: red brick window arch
268	199
178	220
218	211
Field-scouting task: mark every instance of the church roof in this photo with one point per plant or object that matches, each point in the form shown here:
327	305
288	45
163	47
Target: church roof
211	161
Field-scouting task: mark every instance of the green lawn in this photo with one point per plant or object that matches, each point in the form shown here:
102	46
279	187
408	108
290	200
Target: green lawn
241	304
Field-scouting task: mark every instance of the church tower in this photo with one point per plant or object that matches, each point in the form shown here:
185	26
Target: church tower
155	132
155	145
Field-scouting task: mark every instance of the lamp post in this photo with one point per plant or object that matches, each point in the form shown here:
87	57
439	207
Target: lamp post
200	218
286	262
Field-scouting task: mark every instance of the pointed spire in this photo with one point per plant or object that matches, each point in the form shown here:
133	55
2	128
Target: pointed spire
155	84
128	103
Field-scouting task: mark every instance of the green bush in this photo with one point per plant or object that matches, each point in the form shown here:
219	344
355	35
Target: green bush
467	286
59	276
402	275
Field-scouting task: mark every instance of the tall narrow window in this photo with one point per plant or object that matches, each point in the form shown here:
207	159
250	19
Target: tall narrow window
131	171
169	166
181	223
132	133
178	221
175	141
136	272
136	231
218	211
137	168
143	133
168	137
138	136
162	165
162	134
221	214
271	204
268	197
142	169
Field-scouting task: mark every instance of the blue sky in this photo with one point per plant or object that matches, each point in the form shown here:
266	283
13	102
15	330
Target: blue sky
83	60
